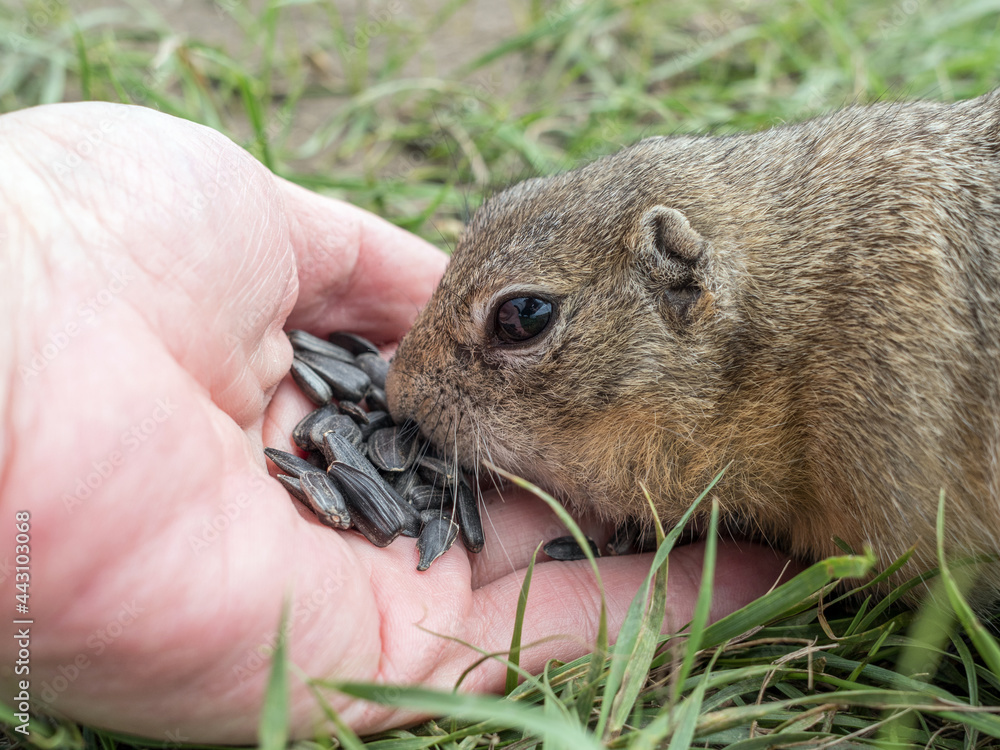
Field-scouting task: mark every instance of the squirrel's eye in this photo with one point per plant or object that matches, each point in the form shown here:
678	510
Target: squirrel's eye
522	318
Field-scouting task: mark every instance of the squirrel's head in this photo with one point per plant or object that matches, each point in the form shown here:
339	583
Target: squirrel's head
570	339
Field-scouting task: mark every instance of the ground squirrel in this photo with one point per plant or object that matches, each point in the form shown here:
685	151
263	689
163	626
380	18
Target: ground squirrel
816	305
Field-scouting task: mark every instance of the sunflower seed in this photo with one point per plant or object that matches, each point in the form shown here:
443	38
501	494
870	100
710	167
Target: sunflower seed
374	366
345	380
437	470
353	343
310	383
338	423
389	450
354	411
289	462
383	497
424	496
405	482
325	499
375	513
376	421
306	342
567	548
469	521
376	399
300	435
293	486
412	523
625	537
338	448
438	534
317	459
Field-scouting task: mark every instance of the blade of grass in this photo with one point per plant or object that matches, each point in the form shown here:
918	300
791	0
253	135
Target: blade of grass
632	630
927	634
346	736
965	656
586	698
873	651
551	710
530	680
551	26
703	605
515	639
84	71
985	643
272	729
561	728
687	716
687	61
63	736
636	651
793	596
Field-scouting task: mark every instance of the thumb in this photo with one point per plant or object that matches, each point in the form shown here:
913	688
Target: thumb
357	272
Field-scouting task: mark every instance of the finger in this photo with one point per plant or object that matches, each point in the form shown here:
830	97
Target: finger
515	523
564	600
357	272
563	612
163	216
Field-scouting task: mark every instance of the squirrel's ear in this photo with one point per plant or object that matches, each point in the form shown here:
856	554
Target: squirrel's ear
667	233
674	249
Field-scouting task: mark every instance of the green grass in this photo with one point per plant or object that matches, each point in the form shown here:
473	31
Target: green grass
362	111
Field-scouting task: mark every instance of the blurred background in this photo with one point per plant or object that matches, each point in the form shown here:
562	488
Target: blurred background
418	110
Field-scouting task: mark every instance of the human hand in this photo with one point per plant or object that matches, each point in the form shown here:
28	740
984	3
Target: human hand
149	268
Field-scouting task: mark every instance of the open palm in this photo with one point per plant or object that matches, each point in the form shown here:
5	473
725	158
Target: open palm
150	266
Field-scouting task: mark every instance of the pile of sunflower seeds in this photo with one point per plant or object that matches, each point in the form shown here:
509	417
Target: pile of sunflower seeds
362	470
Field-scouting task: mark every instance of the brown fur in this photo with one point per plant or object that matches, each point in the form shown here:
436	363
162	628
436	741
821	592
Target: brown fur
827	319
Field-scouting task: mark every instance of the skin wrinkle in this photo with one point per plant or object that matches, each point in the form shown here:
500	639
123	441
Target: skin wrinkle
351	275
328	284
581	583
254	363
12	299
96	560
327	251
19	301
